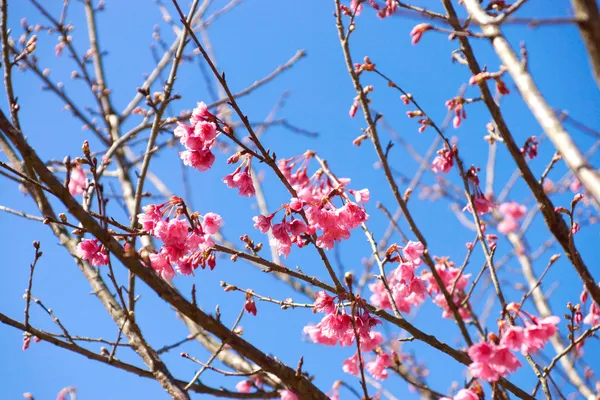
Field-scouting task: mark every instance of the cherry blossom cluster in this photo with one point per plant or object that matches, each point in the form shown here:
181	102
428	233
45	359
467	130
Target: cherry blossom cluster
198	138
186	238
494	358
444	161
457	104
313	211
408	290
455	284
339	327
511	213
92	251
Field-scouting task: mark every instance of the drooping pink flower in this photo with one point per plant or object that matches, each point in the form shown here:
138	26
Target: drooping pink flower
482	205
370	343
378	367
150	217
539	333
92	251
443	162
362	196
202	160
481	352
350	365
513	338
244	386
200	113
77	180
281	240
316	335
484	371
504	361
337	325
174	234
287	395
241	180
413	251
161	264
262	223
211	223
417	32
324	302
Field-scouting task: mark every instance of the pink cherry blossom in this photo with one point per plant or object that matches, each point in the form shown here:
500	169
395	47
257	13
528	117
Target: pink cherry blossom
77	180
262	223
316	335
443	162
362	196
377	368
513	338
484	371
200	113
324	302
241	180
211	223
482	205
413	251
93	251
481	352
150	217
161	264
350	365
202	160
174	234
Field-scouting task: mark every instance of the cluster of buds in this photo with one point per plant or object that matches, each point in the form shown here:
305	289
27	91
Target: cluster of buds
456	104
496	76
530	148
425	122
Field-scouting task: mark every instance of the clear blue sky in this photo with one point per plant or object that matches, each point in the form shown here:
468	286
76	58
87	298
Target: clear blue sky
249	43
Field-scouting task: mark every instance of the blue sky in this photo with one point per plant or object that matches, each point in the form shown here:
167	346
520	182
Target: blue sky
249	42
